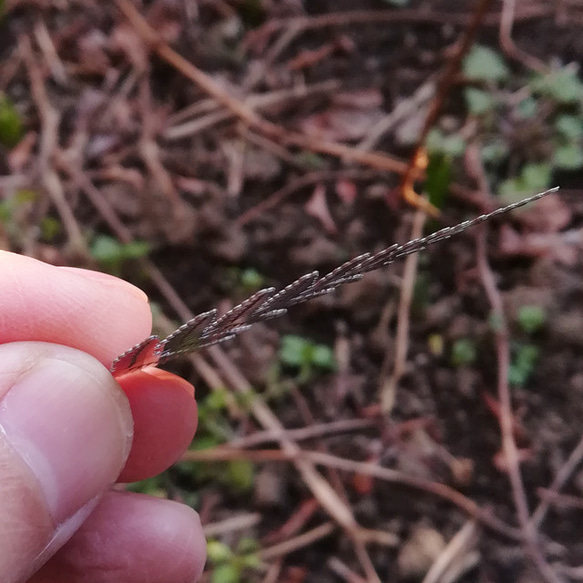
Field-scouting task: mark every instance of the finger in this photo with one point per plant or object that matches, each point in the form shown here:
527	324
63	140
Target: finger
88	310
65	434
165	419
140	539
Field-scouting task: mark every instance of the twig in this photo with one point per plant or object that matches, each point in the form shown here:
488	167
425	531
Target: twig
320	488
388	387
238	522
505	418
303	24
246	114
297	542
302	182
49	141
177	131
563	501
273	574
45	42
443	89
559	481
507	44
464	540
412	104
389	475
388	390
308	432
342	570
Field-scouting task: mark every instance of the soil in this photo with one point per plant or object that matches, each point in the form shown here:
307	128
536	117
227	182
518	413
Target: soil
195	195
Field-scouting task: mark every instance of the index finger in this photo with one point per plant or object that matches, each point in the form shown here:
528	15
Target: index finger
88	310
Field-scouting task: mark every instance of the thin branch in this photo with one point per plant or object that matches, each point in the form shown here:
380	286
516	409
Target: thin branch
505	418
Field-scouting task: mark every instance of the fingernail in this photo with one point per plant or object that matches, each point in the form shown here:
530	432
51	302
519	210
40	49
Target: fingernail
71	424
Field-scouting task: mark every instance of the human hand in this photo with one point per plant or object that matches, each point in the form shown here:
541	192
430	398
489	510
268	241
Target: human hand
67	433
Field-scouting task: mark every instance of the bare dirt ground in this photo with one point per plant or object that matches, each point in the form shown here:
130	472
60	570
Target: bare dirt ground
432	411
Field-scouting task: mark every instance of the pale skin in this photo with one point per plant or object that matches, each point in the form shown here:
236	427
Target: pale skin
69	431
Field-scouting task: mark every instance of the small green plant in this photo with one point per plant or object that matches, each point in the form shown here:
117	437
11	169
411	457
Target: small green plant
534	176
544	126
111	254
306	356
11	207
438	176
484	64
448	145
463	352
523	361
561	85
50	228
242	281
214	429
16	215
229	566
531	319
11	128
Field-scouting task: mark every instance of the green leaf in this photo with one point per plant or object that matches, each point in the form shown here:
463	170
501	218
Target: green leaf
527	108
135	249
252	279
323	357
216	400
294	350
463	352
218	552
112	253
106	249
438	143
50	228
494	152
11	129
531	318
570	127
6	210
536	176
568	156
25	195
240	475
523	364
227	573
479	102
563	85
438	178
247	545
533	178
251	562
484	64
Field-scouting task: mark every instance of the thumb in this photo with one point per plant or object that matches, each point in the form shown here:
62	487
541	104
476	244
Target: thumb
65	433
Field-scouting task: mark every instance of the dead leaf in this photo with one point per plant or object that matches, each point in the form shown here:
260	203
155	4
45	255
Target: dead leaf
317	207
350	117
346	191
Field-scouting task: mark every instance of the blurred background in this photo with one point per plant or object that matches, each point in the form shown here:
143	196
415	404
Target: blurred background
204	150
